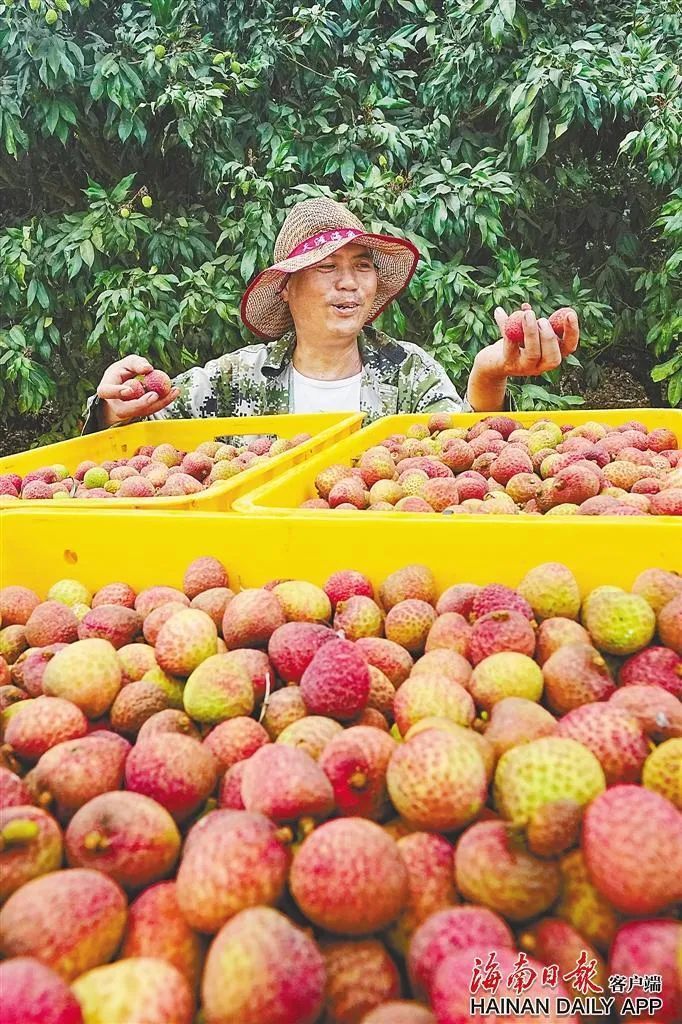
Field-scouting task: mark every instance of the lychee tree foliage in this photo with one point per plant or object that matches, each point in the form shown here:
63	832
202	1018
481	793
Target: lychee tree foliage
148	149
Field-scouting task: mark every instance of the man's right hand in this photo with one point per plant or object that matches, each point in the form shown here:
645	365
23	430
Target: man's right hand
116	406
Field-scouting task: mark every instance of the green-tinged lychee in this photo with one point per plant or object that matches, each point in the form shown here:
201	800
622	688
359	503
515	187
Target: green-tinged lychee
186	640
515	720
135	660
462	732
13	643
424	695
30	845
551	590
303	602
251	617
218	689
87	673
310	734
505	674
156	928
360	976
662	771
408	624
359	616
70	592
282	979
545	770
492	870
231	861
618	622
158	618
442	661
129	837
286	784
355	762
70	920
282	708
143	989
348	877
632	841
175	770
657	586
412	582
582	905
170	686
429	859
437	781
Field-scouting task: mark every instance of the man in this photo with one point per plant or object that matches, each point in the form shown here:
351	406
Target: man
313	309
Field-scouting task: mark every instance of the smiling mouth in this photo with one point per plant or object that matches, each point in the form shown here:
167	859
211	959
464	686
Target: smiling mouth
345	307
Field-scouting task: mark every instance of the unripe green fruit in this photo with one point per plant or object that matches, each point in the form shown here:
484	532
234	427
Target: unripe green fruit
62	5
9	3
147	202
235	67
219	58
51	17
159	52
35	5
125	212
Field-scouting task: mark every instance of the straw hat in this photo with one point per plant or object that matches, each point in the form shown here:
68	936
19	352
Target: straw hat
312	231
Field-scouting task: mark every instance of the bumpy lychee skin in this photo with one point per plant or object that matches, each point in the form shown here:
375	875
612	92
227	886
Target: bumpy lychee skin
551	590
424	695
16	605
496	597
662	771
450	631
39	724
408	624
114	593
156	928
429	859
152	597
452	931
30	845
13	791
33	994
73	772
348	877
349	491
286	784
557	632
51	623
543	771
437	781
218	690
303	601
284	707
70	920
657	586
516	720
513	328
576	674
232	860
501	631
619	623
355	762
656	710
186	640
441	661
651	947
458	598
251	617
392	659
175	770
129	837
582	905
505	674
118	625
203	574
509	463
653	666
336	683
613	736
282	977
412	582
357	617
87	673
667	502
491	870
347	583
135	660
632	841
670	624
310	734
213	601
235	740
13	643
360	976
122	991
230	792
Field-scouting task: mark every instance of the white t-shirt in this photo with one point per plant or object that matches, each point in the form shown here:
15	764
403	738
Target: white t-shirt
326	395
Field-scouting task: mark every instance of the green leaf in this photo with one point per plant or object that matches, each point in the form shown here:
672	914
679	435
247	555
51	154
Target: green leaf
508	10
87	252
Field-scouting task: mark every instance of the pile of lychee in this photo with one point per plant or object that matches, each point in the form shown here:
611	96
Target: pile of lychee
498	466
296	803
154	471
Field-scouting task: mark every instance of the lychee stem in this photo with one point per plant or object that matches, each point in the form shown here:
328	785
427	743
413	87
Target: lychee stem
306	826
96	842
284	835
358	780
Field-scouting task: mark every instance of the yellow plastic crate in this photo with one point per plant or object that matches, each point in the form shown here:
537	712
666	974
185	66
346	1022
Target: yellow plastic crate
122	442
285	494
145	548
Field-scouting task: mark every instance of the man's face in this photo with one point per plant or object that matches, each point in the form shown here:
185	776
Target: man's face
335	296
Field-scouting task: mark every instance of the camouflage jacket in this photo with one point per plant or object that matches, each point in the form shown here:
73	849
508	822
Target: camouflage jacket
397	377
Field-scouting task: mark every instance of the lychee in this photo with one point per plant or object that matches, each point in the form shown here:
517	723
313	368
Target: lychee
505	674
336	683
251	617
235	740
120	992
175	770
392	659
87	673
286	784
156	928
310	734
516	720
33	994
576	674
39	724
